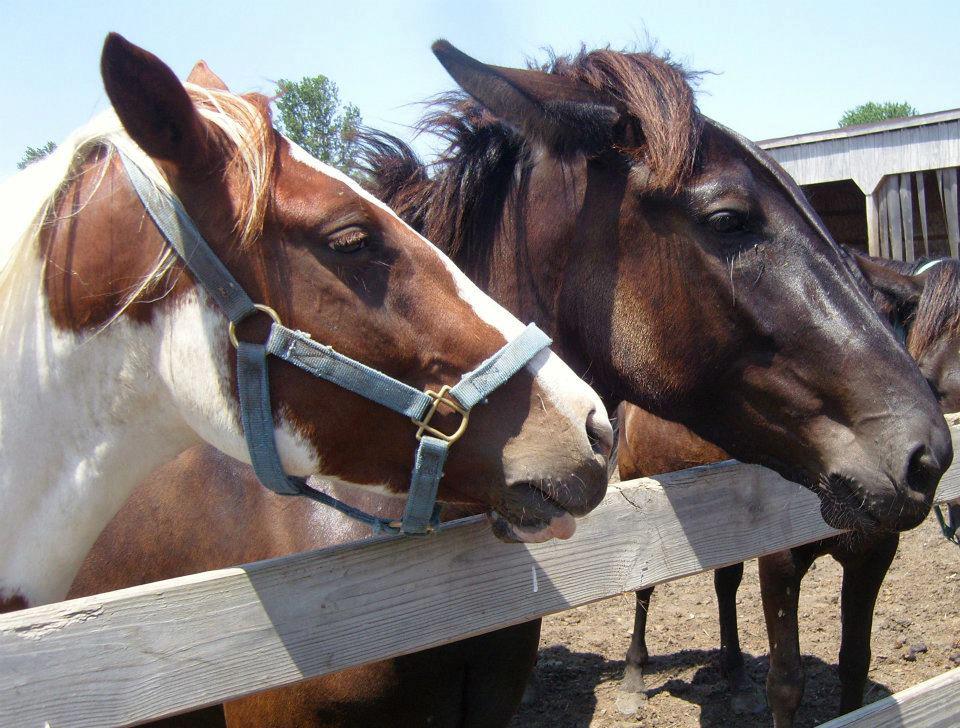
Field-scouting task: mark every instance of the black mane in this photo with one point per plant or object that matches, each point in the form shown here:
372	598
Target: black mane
460	202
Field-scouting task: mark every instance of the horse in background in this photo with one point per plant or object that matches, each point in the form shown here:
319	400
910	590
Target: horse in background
115	360
924	310
674	264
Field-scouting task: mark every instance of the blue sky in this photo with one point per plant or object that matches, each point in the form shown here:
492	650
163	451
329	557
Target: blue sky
778	69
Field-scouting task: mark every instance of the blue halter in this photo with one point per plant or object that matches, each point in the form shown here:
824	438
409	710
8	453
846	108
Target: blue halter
421	514
928	265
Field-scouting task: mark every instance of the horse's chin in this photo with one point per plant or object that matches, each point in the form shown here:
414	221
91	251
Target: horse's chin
846	505
560	526
844	517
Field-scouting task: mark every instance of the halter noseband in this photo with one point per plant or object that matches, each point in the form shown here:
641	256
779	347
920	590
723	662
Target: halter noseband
421	514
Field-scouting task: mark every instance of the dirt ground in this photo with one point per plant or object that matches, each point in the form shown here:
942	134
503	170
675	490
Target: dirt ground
581	651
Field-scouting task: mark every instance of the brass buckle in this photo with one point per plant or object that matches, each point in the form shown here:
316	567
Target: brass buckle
232	331
438	399
399	525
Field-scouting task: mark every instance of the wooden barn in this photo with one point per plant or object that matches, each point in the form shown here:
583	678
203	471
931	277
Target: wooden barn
888	188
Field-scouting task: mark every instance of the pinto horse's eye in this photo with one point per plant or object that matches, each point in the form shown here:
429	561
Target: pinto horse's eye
348	241
727	221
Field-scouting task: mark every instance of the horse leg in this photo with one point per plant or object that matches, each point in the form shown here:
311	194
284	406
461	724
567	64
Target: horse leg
780	576
533	689
498	666
862	578
953	514
744	694
632	691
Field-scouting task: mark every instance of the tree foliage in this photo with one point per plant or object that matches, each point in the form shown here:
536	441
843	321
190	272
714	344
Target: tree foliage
35	154
312	115
871	112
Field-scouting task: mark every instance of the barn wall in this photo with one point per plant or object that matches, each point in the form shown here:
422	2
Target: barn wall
907	174
867	158
841	205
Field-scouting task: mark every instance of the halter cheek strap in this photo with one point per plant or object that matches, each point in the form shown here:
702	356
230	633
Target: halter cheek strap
421	514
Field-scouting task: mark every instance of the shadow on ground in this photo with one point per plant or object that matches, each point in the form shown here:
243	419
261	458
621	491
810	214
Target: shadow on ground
568	683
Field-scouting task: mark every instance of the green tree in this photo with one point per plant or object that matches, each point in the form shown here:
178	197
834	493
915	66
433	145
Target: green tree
871	112
312	115
35	154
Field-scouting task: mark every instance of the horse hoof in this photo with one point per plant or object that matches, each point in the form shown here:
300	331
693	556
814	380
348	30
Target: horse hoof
531	693
748	700
632	691
629	703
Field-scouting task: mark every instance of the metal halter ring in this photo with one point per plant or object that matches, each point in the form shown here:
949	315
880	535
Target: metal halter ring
438	399
232	331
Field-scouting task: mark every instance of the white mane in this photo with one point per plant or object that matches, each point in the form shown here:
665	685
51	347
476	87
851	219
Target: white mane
27	198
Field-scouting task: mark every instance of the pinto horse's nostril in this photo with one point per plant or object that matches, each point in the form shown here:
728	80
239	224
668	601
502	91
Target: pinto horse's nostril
600	433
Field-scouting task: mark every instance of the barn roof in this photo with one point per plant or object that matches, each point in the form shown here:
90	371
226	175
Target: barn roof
867	152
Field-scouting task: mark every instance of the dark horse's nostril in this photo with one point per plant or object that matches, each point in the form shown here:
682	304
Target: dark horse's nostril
600	434
923	470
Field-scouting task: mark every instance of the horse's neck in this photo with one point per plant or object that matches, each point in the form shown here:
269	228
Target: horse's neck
527	284
506	275
83	418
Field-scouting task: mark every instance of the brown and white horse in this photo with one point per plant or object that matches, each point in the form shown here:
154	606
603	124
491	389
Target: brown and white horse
922	302
113	361
675	265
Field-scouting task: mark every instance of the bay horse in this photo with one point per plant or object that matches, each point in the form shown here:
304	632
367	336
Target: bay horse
675	265
921	300
114	360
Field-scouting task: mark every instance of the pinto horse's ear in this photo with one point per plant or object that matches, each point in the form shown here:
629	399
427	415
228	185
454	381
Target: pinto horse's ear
201	75
153	105
561	113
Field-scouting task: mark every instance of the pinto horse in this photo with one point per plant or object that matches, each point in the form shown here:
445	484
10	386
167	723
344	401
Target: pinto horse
674	264
114	361
923	308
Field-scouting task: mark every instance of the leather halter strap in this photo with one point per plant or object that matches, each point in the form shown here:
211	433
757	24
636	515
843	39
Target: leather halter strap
421	514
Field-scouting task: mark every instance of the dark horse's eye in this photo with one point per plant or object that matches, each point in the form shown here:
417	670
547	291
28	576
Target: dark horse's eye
348	241
727	221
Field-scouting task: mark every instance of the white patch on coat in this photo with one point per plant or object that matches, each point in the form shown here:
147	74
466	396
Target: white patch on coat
86	417
193	330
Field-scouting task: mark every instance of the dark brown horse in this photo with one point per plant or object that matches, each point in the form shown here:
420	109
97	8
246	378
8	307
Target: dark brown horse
925	310
677	267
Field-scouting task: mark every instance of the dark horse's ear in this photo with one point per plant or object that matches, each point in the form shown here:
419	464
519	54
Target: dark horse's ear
561	113
902	289
202	75
153	106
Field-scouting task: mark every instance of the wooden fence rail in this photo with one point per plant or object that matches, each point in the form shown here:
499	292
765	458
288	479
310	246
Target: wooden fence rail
934	703
142	653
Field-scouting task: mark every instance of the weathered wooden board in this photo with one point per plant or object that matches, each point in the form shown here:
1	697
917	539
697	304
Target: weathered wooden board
873	223
868	155
149	651
931	704
906	212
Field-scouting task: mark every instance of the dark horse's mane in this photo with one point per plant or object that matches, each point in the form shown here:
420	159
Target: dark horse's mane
937	312
458	202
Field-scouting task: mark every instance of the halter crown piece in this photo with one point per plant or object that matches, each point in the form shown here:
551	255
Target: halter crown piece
421	514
